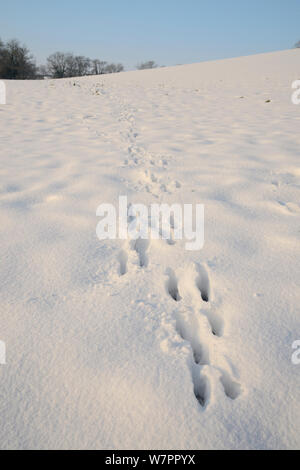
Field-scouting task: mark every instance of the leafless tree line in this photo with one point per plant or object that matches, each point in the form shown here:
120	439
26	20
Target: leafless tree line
17	63
63	65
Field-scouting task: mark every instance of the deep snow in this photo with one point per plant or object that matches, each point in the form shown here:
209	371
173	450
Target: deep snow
117	345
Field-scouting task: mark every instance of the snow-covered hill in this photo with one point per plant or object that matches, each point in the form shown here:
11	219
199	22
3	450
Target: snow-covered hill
118	345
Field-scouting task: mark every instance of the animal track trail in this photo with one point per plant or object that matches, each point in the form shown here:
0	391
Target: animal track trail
152	177
194	315
190	325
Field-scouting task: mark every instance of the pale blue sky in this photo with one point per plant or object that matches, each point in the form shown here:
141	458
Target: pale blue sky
167	31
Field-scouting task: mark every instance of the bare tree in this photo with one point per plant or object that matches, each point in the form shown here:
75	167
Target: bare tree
16	62
71	66
82	66
114	68
58	64
62	65
147	65
98	67
297	45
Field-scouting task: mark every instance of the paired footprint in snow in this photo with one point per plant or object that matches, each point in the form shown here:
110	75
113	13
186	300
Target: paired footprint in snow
138	250
200	325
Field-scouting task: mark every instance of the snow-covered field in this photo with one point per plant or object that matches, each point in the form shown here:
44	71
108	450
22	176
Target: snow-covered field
99	354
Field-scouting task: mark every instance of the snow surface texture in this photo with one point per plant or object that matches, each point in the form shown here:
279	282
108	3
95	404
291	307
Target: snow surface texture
119	345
